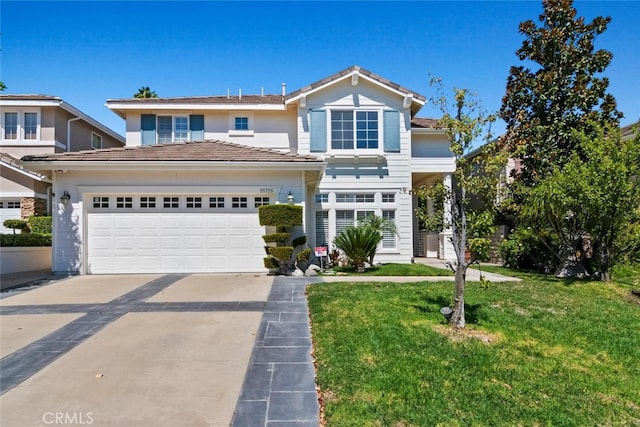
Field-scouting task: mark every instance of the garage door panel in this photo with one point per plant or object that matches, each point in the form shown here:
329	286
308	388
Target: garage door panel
124	242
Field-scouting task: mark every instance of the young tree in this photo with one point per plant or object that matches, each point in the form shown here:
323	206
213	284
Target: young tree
145	92
474	177
542	105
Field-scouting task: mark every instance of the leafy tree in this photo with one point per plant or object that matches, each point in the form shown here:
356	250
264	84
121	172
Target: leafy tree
145	92
562	92
3	87
594	197
475	177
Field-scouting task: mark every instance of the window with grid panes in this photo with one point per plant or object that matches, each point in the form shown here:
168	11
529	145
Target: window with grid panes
238	202
171	202
194	202
216	202
100	202
261	201
124	202
147	202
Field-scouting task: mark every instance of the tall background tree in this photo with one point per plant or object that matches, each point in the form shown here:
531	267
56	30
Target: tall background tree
551	109
145	92
562	91
3	87
476	177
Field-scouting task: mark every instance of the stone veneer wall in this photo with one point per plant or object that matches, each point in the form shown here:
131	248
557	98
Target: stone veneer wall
32	206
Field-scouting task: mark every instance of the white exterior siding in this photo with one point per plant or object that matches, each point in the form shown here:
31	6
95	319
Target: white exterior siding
391	173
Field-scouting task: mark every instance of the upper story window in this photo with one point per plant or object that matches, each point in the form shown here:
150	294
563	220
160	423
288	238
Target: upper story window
241	123
96	141
20	125
344	133
165	129
30	125
173	129
10	125
355	198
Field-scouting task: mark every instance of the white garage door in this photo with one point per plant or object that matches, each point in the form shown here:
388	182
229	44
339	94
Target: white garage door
9	209
174	239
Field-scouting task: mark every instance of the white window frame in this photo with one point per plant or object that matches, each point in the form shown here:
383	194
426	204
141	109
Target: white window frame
93	140
217	202
173	128
241	132
20	126
355	149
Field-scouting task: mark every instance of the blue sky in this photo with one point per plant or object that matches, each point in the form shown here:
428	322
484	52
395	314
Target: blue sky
87	52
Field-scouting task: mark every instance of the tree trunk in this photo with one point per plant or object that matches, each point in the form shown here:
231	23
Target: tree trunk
457	318
571	267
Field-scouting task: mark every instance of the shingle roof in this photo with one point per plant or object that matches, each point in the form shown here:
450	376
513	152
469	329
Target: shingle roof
209	151
244	99
363	72
629	130
424	123
29	97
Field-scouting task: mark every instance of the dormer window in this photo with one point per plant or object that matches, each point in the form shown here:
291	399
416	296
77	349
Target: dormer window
344	133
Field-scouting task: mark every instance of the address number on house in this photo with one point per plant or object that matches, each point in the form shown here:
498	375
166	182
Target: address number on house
266	190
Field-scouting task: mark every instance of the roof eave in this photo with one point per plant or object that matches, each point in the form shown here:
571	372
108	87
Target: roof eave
67	165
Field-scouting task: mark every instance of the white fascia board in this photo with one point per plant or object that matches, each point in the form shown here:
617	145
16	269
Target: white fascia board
117	108
176	189
172	165
29	103
34	176
349	76
73	110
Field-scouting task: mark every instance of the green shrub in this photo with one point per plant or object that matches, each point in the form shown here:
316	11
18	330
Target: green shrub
282	253
271	262
358	244
280	215
527	250
299	241
278	238
29	239
15	224
304	255
40	224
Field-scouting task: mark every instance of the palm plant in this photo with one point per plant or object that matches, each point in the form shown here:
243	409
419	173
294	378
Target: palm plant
145	92
379	225
358	243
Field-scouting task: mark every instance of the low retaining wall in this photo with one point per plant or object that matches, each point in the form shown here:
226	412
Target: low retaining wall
23	258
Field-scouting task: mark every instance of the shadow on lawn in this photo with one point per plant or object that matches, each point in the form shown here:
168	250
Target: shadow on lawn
472	312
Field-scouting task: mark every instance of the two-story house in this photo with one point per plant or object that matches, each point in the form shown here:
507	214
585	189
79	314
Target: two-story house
40	124
182	196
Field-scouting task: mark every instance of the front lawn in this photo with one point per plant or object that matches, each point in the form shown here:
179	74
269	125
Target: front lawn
392	269
537	352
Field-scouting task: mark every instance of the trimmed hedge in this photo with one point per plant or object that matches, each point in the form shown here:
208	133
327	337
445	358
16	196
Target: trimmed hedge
40	224
280	238
15	224
280	215
304	255
299	241
29	239
282	252
271	262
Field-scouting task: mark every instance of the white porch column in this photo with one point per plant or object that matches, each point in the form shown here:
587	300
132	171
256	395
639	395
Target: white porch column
445	248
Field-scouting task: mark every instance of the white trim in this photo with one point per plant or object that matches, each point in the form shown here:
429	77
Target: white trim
32	143
20	125
22	194
99	136
35	177
349	76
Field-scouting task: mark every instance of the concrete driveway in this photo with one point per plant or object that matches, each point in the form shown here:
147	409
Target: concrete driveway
142	350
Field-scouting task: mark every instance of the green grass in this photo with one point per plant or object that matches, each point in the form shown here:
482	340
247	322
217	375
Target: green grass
392	269
561	354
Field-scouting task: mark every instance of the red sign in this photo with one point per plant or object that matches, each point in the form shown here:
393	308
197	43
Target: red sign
320	250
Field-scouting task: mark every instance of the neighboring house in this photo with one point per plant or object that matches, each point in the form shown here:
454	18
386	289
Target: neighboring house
40	124
344	147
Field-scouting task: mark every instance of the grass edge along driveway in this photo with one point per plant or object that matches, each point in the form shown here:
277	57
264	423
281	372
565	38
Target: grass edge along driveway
540	351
